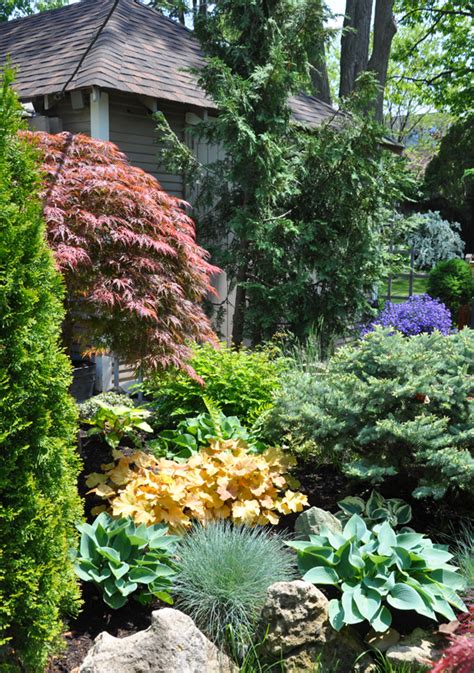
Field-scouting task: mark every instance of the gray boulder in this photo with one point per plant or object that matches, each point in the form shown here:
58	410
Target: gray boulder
172	644
312	520
420	647
296	632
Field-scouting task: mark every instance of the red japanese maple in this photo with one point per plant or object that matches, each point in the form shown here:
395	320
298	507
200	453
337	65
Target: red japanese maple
134	273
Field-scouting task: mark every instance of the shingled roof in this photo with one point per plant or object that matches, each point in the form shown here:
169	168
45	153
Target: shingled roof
115	44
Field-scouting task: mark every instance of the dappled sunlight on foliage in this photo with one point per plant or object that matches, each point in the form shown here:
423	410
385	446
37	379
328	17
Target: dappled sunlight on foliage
134	273
221	481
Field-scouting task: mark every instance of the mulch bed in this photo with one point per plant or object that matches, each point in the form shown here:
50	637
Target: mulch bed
323	485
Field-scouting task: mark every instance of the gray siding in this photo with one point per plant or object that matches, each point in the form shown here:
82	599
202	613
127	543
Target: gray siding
75	121
132	128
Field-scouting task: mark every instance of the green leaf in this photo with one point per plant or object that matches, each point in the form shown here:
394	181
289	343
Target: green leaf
110	554
321	575
336	614
355	528
121	570
404	597
368	602
352	505
387	539
382	620
449	578
143	575
352	614
115	600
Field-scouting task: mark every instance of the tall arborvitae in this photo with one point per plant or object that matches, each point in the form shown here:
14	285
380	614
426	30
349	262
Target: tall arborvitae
38	495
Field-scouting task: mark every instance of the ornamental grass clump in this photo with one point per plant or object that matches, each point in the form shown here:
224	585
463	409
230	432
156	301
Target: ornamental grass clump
224	572
419	314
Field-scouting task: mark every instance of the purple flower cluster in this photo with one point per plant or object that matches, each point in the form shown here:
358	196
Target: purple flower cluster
421	313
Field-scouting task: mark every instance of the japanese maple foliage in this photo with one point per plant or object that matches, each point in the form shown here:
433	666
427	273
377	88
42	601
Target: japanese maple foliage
134	273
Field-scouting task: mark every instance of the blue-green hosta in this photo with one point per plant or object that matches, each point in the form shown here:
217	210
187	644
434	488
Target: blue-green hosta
121	559
376	510
378	570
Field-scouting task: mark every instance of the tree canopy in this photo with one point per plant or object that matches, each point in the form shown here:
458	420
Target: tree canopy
134	274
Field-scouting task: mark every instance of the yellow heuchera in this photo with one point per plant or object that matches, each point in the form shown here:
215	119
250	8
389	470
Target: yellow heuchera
222	481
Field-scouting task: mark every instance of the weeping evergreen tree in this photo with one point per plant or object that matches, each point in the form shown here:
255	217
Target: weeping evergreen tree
38	496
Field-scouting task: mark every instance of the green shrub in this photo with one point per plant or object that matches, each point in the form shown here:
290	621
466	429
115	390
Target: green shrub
39	504
376	510
240	382
122	559
376	570
195	433
224	572
117	423
453	284
88	408
389	405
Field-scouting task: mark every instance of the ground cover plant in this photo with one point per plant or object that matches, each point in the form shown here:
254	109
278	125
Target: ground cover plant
389	405
224	572
379	570
420	313
38	496
88	408
223	480
240	382
195	432
127	252
123	559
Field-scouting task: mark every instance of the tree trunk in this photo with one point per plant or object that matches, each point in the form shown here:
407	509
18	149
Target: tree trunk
354	43
239	311
384	31
319	71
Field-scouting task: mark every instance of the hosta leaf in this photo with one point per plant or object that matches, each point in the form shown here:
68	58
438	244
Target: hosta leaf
100	575
126	587
387	539
442	606
143	575
368	602
321	575
352	505
336	614
121	570
352	613
403	513
115	600
374	503
354	528
402	558
109	553
83	568
435	558
409	540
382	620
404	597
448	578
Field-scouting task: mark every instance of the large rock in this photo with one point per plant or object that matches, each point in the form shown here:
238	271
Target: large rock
311	521
420	647
172	644
296	632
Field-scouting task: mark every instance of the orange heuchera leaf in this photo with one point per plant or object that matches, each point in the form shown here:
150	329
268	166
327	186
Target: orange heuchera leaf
221	481
134	273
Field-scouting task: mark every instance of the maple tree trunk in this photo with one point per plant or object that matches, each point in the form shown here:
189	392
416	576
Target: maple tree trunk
384	31
354	43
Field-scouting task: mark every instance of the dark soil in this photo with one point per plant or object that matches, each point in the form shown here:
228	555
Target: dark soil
95	618
324	486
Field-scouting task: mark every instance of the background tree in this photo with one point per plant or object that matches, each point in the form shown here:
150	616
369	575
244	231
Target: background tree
38	498
134	274
12	8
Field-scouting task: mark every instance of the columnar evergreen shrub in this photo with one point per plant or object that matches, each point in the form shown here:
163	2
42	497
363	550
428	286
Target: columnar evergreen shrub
390	405
38	497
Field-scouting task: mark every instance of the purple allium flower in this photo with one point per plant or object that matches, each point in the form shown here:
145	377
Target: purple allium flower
421	313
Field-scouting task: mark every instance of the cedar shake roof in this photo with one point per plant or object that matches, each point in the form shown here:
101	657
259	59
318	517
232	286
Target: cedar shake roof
115	44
